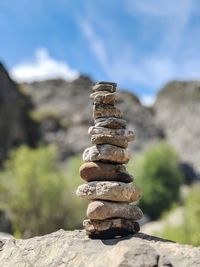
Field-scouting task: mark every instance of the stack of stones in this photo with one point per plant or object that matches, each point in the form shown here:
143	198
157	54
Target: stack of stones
109	186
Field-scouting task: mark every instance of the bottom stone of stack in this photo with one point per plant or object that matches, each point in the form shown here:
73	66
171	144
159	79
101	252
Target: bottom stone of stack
110	228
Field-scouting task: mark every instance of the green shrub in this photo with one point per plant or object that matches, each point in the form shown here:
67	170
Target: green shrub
189	231
39	195
157	173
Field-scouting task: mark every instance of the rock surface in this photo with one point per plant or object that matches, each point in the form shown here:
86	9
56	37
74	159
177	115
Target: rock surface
98	171
74	248
101	210
113	191
106	153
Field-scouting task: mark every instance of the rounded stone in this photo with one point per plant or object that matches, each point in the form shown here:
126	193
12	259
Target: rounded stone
101	210
111	122
102	97
106	153
112	191
110	228
101	110
97	171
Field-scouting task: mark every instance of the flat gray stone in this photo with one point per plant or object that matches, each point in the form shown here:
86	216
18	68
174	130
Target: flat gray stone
110	228
111	122
113	191
110	87
98	171
106	153
101	210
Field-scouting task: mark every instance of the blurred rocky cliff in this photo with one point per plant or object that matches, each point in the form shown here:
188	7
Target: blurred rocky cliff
56	111
16	126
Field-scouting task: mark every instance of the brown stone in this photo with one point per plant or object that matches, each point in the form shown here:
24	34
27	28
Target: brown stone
101	210
103	97
110	122
112	191
110	228
106	153
97	171
100	110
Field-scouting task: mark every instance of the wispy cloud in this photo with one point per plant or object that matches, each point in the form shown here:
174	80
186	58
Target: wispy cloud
164	27
42	67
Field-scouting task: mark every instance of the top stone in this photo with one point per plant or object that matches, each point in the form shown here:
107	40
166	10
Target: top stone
105	86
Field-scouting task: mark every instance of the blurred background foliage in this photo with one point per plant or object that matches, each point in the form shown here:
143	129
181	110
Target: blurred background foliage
39	194
158	173
37	191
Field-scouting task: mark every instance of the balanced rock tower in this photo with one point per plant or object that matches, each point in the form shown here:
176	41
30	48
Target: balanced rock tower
109	186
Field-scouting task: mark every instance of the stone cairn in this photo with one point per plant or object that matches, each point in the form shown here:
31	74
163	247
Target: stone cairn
109	186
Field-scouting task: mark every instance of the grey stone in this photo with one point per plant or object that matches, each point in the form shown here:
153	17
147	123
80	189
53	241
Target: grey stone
101	210
98	171
113	191
106	153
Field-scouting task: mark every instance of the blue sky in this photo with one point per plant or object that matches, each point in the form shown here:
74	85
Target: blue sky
141	44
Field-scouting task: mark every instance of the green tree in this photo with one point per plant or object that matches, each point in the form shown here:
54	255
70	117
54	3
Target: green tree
157	173
38	193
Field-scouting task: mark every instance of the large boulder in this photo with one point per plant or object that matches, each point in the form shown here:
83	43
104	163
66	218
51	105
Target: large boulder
74	248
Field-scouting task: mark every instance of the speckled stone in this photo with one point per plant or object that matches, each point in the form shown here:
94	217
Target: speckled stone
106	153
103	97
101	110
110	228
101	210
112	191
98	171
